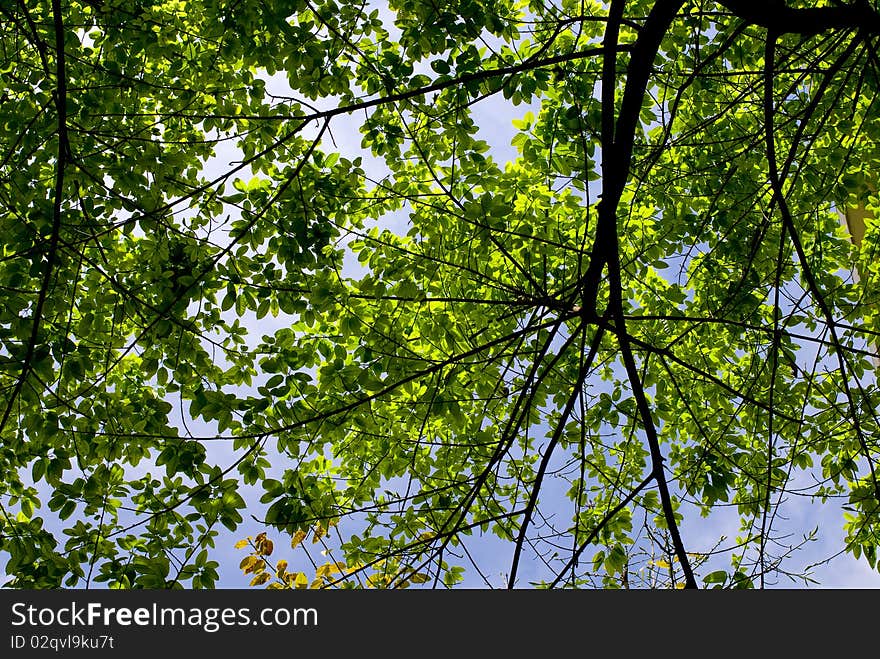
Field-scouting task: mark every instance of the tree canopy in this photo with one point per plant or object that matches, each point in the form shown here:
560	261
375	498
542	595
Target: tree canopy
436	363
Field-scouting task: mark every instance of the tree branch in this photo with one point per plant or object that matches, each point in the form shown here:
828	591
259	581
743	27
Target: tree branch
782	19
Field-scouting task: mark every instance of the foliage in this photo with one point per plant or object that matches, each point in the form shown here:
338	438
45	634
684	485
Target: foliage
587	360
385	574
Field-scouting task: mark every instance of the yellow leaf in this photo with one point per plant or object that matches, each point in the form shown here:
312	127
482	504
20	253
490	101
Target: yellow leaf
661	564
263	545
329	569
252	564
319	532
316	584
281	568
302	581
425	537
247	563
275	586
378	580
260	579
242	543
298	537
419	577
680	585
